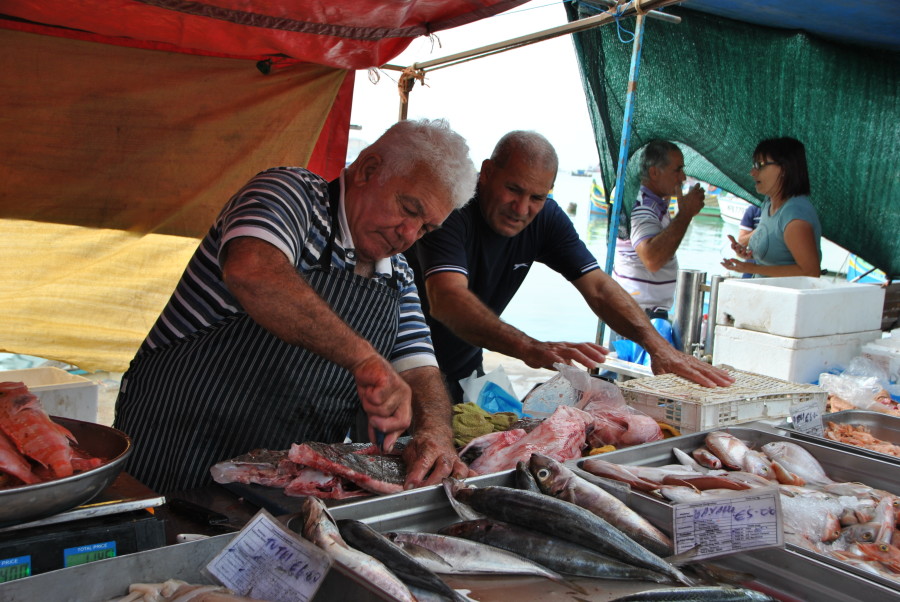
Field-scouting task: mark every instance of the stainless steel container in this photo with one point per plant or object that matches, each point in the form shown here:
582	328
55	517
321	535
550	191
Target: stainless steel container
881	426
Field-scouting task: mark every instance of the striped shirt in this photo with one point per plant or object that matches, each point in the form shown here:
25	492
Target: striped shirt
650	290
288	208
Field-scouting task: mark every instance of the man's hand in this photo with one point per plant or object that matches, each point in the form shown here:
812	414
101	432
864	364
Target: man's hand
386	398
692	202
544	354
672	361
429	459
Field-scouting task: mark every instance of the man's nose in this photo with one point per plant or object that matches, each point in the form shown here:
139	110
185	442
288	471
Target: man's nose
410	230
520	205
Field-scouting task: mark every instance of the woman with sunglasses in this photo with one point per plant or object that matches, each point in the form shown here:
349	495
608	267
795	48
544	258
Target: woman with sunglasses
787	241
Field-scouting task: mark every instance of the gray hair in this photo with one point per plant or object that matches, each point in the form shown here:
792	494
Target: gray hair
529	145
408	145
656	154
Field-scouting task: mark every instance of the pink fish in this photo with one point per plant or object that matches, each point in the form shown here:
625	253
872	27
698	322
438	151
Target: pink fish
14	463
30	428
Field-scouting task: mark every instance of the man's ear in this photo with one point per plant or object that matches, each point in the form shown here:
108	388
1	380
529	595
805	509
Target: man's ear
366	169
487	166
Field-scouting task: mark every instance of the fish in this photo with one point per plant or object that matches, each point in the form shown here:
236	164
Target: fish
757	463
882	552
559	481
524	479
320	528
552	552
728	448
270	468
363	537
705	482
362	464
457	555
29	427
617	472
561	519
689	461
797	460
698	594
14	463
706	458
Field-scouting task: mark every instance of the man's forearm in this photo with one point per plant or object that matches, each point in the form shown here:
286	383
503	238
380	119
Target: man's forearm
431	404
657	251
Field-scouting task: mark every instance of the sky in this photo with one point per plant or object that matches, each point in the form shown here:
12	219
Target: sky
537	87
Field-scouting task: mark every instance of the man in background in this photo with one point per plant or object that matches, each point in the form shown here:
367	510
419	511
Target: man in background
646	265
468	271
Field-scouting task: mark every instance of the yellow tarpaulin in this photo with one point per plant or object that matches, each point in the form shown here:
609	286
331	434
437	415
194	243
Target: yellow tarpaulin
113	161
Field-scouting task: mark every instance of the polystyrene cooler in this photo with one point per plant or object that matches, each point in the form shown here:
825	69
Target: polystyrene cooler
799	307
61	393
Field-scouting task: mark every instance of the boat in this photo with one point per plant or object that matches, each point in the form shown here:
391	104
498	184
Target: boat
731	208
599	204
860	270
584	173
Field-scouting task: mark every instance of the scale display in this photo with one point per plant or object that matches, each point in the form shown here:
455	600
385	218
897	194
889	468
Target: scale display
15	568
89	553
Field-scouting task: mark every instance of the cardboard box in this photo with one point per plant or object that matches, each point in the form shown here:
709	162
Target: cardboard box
799	307
61	393
799	360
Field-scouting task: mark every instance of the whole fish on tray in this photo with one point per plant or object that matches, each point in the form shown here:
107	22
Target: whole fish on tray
698	594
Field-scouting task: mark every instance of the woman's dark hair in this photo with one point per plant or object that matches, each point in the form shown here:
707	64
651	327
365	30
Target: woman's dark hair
790	154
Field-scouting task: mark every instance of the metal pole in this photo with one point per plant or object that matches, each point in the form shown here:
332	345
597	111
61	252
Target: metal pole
714	281
688	309
616	206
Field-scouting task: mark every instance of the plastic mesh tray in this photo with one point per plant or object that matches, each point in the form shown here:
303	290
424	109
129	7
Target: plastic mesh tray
692	408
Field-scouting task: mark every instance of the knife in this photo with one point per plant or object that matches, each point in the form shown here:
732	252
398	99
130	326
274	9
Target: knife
379	443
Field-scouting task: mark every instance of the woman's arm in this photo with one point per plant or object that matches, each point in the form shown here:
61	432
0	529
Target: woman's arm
801	242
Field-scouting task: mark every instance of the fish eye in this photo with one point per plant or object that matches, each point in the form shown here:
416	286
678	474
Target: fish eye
867	536
883	547
543	473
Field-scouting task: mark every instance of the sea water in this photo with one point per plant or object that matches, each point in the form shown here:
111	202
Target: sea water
548	308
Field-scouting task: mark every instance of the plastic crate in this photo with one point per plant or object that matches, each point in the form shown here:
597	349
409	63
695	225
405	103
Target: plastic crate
61	393
691	408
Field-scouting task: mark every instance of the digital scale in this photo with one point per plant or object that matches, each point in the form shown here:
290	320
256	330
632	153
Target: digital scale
118	521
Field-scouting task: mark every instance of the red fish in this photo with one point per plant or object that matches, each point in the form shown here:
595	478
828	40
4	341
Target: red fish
14	463
30	428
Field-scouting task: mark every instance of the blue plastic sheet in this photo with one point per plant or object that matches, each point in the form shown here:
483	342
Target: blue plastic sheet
629	351
493	398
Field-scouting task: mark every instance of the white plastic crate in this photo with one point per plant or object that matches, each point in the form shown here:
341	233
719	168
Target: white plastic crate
61	393
799	306
691	408
797	360
885	353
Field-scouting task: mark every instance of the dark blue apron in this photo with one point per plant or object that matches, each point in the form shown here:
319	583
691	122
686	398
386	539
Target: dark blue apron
233	386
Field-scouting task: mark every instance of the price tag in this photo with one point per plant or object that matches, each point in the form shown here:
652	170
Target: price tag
268	561
807	418
725	525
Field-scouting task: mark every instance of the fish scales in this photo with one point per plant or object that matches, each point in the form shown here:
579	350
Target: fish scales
356	462
563	519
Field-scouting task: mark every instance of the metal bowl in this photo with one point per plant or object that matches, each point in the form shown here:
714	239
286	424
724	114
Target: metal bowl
31	502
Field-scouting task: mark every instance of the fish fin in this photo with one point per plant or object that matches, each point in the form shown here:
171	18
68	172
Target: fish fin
464	511
683	558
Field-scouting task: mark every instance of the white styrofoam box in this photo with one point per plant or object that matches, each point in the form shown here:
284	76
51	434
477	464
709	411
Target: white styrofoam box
796	360
885	353
61	393
799	306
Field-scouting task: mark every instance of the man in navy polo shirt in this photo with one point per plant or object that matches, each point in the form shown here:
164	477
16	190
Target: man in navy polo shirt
468	271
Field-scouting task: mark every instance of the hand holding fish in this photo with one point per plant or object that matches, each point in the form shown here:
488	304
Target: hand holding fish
430	459
668	360
386	398
543	354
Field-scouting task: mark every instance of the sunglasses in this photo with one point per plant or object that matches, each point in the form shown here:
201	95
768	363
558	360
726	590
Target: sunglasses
757	165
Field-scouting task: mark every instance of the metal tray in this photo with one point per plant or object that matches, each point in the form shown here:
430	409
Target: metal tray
883	426
838	464
30	502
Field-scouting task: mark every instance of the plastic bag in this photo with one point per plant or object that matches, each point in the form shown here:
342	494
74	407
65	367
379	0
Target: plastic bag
629	351
492	392
861	385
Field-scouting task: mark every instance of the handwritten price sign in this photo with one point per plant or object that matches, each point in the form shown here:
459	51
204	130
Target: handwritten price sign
807	418
269	562
725	525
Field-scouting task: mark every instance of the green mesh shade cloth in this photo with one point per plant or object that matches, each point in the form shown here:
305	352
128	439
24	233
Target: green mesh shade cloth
716	87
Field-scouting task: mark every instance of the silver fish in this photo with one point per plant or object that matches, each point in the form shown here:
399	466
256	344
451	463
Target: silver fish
728	448
797	460
551	552
466	557
320	528
559	481
560	519
698	594
363	537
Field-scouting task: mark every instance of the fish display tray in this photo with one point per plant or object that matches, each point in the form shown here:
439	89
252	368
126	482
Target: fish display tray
692	408
786	575
882	426
838	464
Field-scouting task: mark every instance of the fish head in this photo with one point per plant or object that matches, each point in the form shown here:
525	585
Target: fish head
548	473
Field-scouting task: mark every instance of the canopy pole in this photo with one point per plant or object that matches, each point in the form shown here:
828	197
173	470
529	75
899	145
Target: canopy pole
612	233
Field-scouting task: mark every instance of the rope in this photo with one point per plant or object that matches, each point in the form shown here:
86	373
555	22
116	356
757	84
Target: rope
619	28
408	79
